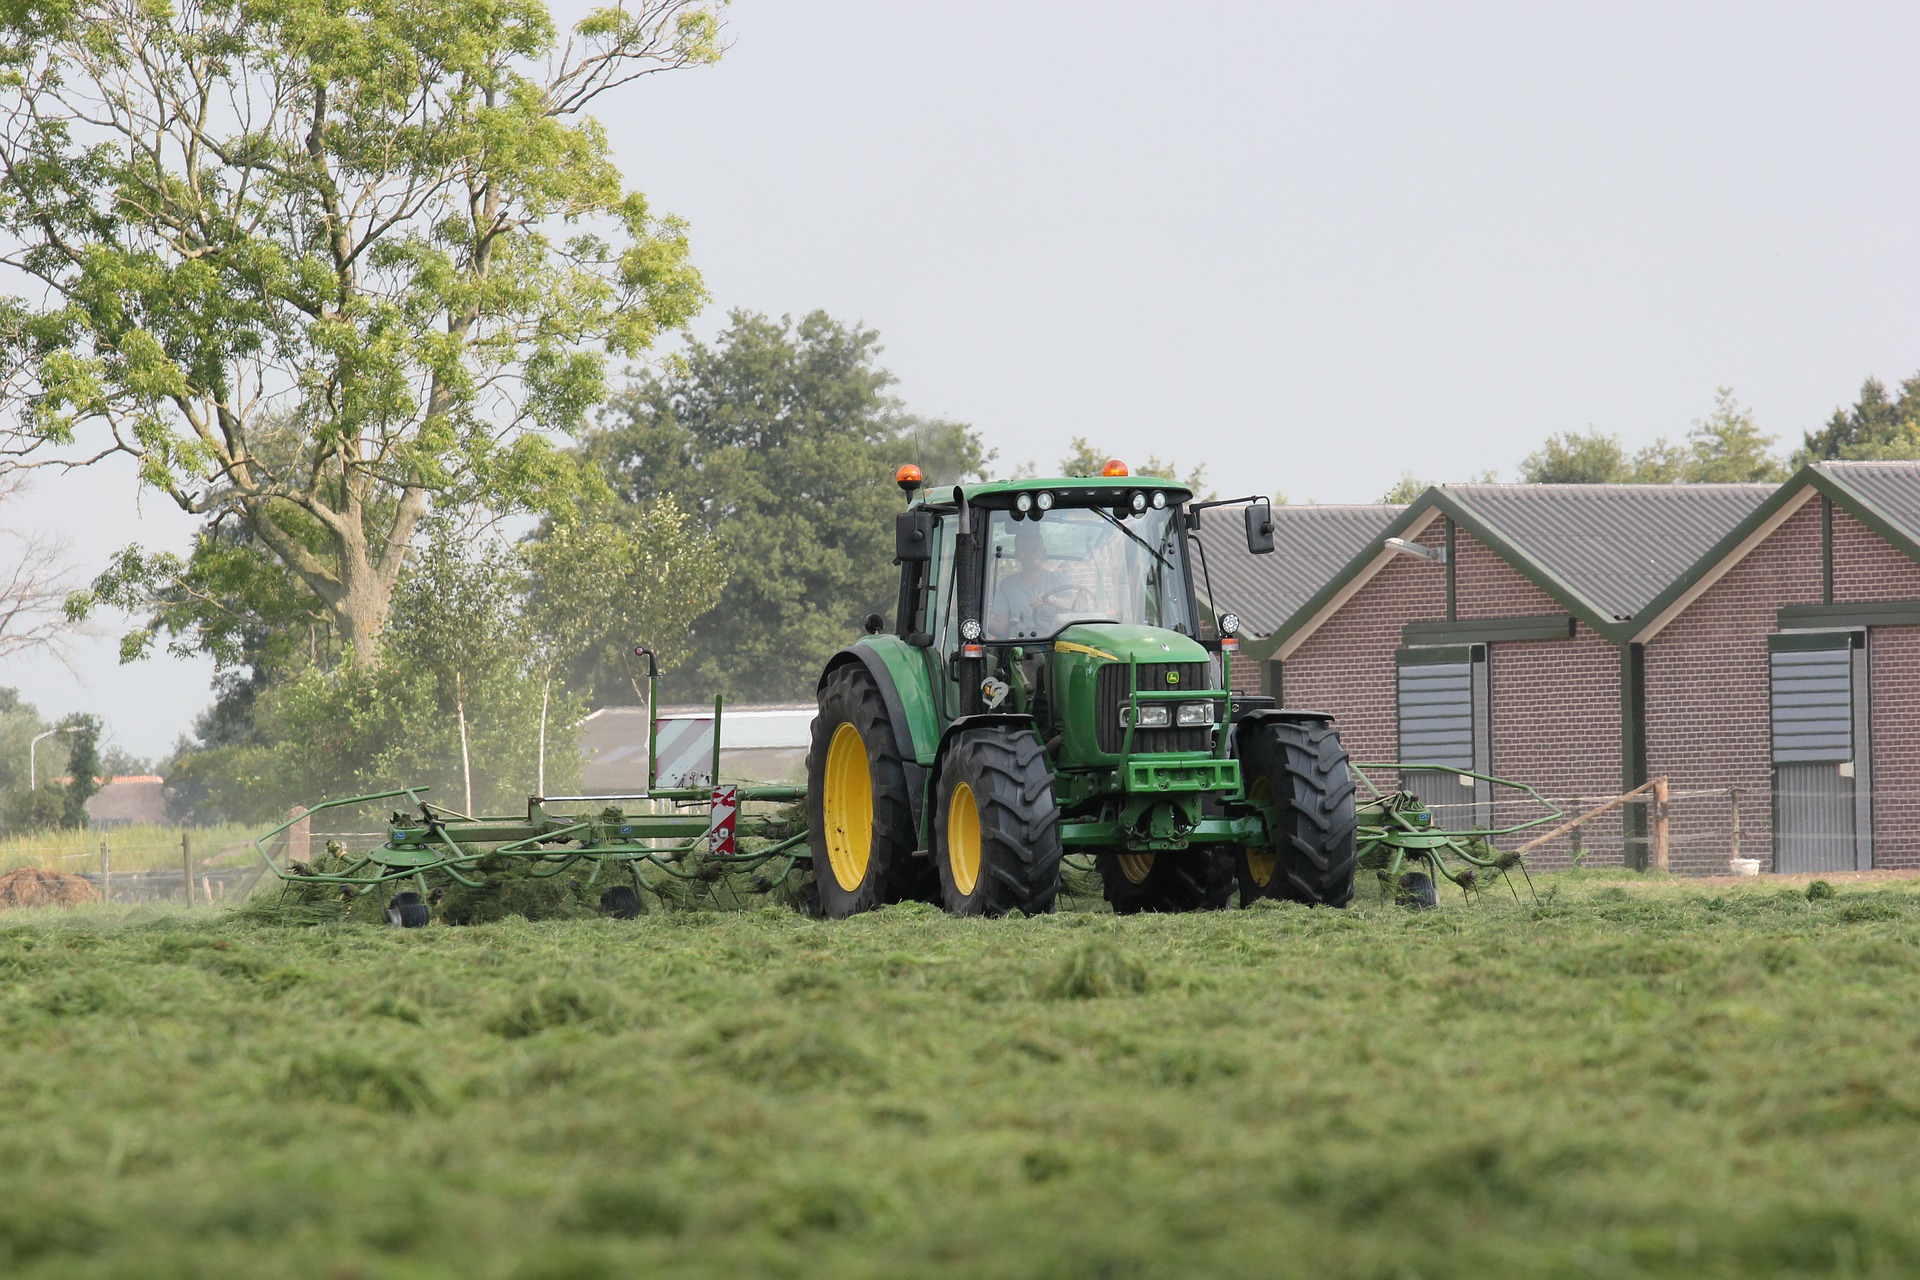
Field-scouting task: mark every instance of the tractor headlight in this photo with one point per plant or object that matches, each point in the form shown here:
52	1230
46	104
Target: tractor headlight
1194	715
1229	623
1023	503
1138	502
1153	716
1045	499
1159	499
970	629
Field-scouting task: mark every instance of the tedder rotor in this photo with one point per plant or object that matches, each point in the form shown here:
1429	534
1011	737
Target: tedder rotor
1049	693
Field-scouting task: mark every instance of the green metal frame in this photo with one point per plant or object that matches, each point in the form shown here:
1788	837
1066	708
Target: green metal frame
1396	827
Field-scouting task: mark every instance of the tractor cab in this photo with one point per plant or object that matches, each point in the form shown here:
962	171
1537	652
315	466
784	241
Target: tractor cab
999	581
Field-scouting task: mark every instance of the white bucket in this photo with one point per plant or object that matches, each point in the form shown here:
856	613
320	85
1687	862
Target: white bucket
1746	866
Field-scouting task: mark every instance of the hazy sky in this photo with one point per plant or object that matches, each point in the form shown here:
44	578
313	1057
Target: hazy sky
1312	246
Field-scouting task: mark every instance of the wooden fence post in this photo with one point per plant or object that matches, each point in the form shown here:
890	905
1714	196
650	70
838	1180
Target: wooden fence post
106	874
300	835
186	866
1733	796
1659	858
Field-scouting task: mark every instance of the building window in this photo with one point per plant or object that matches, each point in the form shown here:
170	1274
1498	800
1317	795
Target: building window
1445	718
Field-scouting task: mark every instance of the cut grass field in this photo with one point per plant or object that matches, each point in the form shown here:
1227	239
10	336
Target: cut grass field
1632	1079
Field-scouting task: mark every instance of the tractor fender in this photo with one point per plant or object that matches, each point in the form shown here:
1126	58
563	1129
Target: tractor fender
1258	715
1014	719
886	668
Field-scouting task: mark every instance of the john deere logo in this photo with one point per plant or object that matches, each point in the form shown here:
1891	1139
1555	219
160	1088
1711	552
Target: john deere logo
1173	677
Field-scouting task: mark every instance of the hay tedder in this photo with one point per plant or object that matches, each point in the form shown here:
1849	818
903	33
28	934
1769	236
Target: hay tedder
1049	694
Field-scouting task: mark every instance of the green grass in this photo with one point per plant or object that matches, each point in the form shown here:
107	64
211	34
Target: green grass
144	847
1630	1080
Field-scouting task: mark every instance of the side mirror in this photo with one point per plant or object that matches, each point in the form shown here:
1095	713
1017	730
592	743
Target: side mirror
913	536
1260	529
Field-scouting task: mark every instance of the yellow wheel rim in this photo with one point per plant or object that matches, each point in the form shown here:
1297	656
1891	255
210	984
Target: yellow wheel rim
1136	866
1260	864
963	839
847	807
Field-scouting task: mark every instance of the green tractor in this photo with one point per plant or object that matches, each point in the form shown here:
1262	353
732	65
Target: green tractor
1051	689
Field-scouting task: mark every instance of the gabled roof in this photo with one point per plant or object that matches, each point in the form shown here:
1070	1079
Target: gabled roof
1884	496
1604	552
1613	546
1310	545
1889	490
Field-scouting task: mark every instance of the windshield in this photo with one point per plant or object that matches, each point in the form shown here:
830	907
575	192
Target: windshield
1083	564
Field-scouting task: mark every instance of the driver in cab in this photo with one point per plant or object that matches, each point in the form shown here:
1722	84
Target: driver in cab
1026	602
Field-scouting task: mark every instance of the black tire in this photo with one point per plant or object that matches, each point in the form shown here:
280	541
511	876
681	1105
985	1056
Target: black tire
865	858
1417	892
996	832
407	911
1297	771
622	902
1199	879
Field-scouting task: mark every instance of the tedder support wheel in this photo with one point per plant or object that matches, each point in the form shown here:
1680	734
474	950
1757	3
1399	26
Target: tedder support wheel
1297	771
1418	892
997	829
1198	879
407	911
859	825
622	902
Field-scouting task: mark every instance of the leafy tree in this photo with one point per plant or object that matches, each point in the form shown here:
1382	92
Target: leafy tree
316	269
1725	447
83	768
1728	447
20	722
1877	427
456	703
609	578
1573	457
455	608
41	809
781	439
1405	490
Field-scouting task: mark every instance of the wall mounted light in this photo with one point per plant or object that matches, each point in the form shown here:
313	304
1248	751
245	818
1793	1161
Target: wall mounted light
1436	554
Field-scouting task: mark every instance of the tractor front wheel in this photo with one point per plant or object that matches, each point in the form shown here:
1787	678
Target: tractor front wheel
1199	879
859	826
1296	773
997	828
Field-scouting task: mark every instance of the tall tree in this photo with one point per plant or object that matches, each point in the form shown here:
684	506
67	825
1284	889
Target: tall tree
315	268
83	768
1876	427
781	438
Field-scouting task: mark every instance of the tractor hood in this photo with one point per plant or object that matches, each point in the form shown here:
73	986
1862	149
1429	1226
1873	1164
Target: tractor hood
1126	641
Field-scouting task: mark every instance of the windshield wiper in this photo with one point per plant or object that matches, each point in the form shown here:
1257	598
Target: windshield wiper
1109	517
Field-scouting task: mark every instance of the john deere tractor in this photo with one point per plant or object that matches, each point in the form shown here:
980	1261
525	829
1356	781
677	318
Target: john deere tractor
1050	688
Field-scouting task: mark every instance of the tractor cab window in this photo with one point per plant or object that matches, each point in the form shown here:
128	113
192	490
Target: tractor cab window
1083	564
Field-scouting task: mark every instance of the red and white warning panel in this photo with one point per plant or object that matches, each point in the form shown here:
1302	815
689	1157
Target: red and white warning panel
722	816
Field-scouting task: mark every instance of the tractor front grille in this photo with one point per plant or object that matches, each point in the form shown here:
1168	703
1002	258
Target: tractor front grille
1110	695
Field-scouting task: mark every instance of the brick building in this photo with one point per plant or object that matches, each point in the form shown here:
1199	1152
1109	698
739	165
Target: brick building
1786	663
1758	645
1488	628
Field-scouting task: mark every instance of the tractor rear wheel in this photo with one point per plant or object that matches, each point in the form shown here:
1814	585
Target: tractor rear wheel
1296	772
997	828
1199	879
859	824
